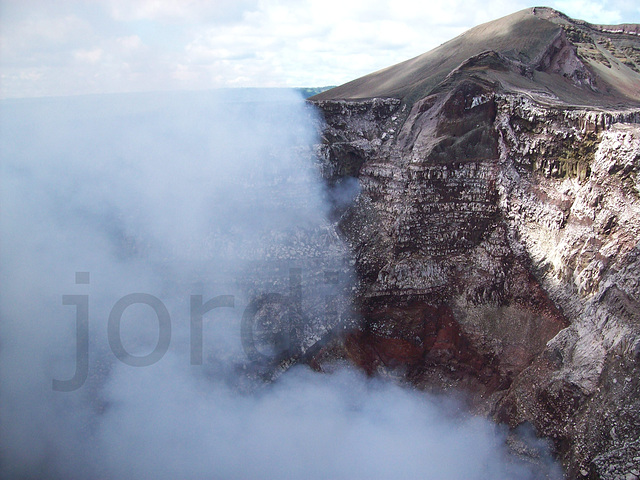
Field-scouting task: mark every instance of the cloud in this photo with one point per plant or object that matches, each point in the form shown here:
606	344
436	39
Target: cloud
592	11
172	11
130	43
90	56
34	39
199	44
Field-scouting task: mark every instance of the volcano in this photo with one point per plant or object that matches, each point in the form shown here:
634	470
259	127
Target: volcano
538	51
496	227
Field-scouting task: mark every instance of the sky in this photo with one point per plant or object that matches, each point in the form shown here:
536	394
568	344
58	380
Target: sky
71	47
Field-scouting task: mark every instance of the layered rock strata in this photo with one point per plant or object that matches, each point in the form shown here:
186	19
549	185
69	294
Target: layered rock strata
496	232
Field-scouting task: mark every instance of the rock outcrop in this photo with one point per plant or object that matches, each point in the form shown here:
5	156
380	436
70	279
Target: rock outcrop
496	227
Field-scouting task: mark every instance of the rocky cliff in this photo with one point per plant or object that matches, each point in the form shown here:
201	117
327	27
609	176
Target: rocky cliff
496	227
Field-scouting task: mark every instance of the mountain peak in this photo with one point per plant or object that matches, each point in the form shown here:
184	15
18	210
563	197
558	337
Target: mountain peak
535	50
547	13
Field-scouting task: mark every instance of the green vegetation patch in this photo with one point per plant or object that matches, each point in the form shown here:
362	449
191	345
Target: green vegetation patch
572	160
576	35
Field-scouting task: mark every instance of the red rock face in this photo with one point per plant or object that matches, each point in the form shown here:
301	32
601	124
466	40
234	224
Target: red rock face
405	334
414	333
426	341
